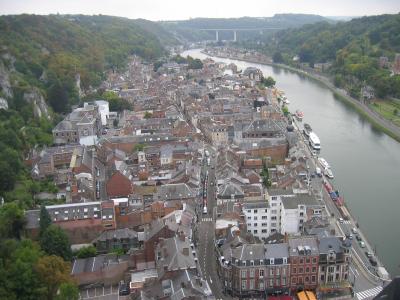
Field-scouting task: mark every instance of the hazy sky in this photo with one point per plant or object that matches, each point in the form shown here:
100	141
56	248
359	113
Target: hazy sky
184	9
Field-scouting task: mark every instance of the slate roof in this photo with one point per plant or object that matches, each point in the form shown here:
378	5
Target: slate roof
94	264
172	254
124	233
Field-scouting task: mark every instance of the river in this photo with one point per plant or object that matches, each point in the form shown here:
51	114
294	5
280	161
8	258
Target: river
365	161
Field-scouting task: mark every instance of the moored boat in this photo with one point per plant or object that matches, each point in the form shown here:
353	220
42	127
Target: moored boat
328	173
323	163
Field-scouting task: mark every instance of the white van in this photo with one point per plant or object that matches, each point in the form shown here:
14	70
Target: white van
205	210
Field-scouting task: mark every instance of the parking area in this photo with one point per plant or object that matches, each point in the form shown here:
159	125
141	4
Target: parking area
107	292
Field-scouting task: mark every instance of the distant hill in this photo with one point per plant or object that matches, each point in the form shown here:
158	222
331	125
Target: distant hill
48	51
354	48
193	29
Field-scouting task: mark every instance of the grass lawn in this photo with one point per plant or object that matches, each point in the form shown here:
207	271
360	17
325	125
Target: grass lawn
386	108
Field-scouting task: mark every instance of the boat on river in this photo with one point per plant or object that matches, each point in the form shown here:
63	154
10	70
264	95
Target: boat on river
323	163
328	173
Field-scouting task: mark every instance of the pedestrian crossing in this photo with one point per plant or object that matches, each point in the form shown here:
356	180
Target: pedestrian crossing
368	294
345	222
206	219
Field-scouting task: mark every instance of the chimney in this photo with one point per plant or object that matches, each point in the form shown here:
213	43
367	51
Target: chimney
286	237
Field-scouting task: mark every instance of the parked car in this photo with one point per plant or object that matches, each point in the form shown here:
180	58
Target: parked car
349	236
354	230
362	244
124	289
341	221
373	261
358	238
369	254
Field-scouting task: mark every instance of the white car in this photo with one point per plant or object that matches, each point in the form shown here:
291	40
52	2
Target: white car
341	221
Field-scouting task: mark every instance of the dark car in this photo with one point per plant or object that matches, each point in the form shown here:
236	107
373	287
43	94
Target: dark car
373	261
358	238
124	289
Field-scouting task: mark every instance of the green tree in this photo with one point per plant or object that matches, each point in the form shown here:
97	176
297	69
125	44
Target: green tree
68	291
285	110
53	271
19	279
277	57
147	115
54	241
45	219
12	221
138	147
7	177
268	82
86	252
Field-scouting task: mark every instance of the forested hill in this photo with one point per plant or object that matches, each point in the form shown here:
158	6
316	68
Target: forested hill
48	51
354	48
193	29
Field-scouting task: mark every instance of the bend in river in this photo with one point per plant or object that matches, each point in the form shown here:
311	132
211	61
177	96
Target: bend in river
366	162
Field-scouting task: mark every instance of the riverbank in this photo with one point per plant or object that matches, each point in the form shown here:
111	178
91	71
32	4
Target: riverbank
373	117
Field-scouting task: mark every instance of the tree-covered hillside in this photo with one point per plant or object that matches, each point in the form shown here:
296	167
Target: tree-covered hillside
50	50
353	47
190	29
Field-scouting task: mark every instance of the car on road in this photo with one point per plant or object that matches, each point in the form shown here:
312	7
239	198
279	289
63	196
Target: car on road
354	230
373	261
358	238
349	236
362	244
341	221
369	254
205	210
124	289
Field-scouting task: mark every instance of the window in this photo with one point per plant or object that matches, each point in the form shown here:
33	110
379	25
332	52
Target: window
300	280
271	282
273	204
273	198
314	269
266	210
244	284
277	271
255	211
264	230
284	271
248	218
307	270
261	286
337	276
293	280
300	270
301	261
261	272
251	284
244	273
301	214
322	278
294	270
313	279
274	211
264	217
308	260
278	282
331	269
255	231
255	218
249	211
273	218
271	272
306	279
255	224
264	224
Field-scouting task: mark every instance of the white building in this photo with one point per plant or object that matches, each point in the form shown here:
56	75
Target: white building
104	111
296	210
